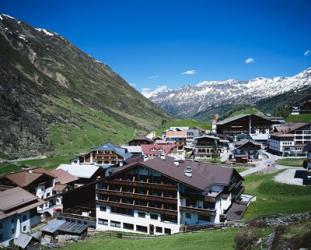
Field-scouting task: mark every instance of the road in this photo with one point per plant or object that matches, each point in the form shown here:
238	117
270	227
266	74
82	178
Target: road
268	159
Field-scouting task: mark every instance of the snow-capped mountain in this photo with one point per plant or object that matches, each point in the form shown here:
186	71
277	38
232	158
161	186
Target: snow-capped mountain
188	101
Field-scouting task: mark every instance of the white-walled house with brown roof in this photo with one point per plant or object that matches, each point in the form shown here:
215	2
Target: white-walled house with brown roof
18	213
37	181
162	196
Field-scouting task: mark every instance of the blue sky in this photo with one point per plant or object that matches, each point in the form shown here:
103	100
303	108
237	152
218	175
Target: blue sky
172	43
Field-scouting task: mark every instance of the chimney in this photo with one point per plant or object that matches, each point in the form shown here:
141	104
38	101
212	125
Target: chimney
176	162
162	156
188	172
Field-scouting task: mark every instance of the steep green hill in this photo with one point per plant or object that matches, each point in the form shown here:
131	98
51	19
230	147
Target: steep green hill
55	98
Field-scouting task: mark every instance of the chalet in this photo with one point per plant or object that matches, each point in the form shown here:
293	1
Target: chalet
105	156
246	150
304	108
176	135
161	196
135	151
84	173
290	139
64	182
18	213
157	150
37	181
140	140
206	147
256	126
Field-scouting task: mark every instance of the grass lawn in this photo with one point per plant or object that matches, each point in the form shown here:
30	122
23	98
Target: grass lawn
291	162
299	118
183	123
49	163
211	239
275	198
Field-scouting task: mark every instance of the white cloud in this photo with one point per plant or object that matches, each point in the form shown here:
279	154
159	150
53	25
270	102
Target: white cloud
307	52
154	77
249	60
147	92
189	72
132	84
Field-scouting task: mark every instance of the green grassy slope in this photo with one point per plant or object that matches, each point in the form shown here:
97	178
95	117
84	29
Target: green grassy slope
182	123
275	198
213	239
57	99
299	118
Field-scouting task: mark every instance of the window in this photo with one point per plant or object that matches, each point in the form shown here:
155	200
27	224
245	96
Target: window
102	208
206	218
141	214
115	223
159	229
141	229
0	225
128	226
103	222
154	216
12	220
24	217
188	216
13	231
167	231
24	228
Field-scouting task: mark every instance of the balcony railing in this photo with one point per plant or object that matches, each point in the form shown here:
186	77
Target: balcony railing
138	196
137	207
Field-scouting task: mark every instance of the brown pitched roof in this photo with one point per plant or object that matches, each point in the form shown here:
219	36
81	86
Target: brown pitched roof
63	177
203	174
242	143
289	127
16	198
26	177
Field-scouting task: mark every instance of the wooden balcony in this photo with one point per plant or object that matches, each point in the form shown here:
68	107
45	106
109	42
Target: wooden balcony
138	207
141	184
200	211
138	196
209	199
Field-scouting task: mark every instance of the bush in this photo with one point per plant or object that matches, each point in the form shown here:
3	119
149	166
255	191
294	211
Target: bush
246	239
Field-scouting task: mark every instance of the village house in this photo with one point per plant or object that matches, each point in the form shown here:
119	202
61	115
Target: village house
106	156
18	213
206	147
304	108
246	150
290	139
135	151
37	181
157	150
84	173
140	140
176	135
64	182
257	127
162	196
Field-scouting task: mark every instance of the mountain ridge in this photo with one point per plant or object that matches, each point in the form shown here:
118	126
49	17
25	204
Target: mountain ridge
189	101
57	98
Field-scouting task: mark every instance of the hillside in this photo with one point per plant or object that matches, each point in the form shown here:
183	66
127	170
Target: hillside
209	97
55	98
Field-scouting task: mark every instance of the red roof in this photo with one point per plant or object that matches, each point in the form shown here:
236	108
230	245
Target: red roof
64	177
156	149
